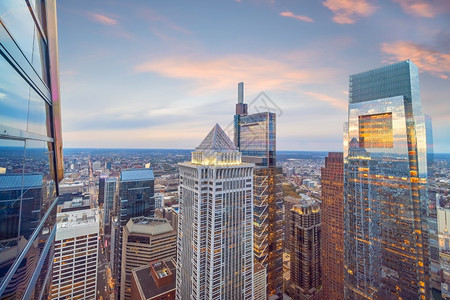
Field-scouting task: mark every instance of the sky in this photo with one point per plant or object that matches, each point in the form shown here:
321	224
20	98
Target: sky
161	74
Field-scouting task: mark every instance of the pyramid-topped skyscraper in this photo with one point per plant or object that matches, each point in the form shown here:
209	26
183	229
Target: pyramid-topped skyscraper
215	231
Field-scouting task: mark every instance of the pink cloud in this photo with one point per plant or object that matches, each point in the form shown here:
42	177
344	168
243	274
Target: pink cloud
428	60
298	17
339	103
220	73
349	11
418	8
102	19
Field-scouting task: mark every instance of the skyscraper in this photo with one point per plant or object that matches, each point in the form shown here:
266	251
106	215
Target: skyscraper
135	199
108	206
387	245
76	255
215	232
145	240
332	246
30	146
306	273
255	137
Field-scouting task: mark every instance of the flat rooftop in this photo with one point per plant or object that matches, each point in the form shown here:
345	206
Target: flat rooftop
147	286
75	218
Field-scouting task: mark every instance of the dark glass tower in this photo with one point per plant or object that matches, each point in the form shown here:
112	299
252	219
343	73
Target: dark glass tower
255	136
387	213
30	146
136	199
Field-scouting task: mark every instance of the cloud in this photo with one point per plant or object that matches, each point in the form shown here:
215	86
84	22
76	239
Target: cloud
102	19
216	74
418	8
348	11
341	104
298	17
428	60
155	17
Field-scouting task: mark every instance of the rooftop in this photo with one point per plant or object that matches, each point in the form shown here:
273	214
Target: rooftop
136	175
217	140
149	226
14	181
76	218
147	285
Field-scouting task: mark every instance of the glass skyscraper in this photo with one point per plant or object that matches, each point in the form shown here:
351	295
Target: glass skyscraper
255	136
30	146
387	212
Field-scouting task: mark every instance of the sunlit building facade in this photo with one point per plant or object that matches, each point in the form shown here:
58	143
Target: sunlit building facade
30	146
386	206
332	246
305	225
215	231
255	137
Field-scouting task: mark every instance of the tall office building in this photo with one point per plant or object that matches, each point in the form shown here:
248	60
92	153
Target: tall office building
108	206
386	206
76	255
145	240
135	199
255	137
101	190
30	146
332	246
306	274
215	258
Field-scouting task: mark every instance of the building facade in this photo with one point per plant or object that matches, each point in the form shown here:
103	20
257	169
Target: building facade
76	255
255	137
108	206
260	282
332	246
386	206
30	146
135	199
145	240
215	232
306	272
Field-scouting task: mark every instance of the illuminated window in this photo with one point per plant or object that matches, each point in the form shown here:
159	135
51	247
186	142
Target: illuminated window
375	131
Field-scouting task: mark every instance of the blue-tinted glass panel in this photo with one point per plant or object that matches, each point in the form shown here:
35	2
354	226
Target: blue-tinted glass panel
18	21
38	114
14	93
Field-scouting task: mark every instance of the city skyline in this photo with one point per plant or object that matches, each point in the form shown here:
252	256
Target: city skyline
141	76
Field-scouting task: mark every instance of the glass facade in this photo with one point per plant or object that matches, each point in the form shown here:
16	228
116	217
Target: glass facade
30	146
255	136
387	212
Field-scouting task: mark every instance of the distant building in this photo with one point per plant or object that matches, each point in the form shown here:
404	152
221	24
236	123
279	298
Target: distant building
332	178
101	191
77	203
76	254
154	281
306	273
108	206
255	137
260	281
71	188
97	166
159	200
215	242
145	240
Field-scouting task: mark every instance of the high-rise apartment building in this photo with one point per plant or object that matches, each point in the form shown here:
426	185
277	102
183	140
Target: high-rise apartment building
135	199
215	232
306	274
332	246
30	146
76	255
255	137
386	206
145	240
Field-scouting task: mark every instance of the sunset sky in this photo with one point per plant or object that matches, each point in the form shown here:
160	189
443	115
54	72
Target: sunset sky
160	74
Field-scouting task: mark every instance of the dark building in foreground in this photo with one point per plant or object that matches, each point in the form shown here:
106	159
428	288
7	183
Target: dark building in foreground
255	137
155	281
387	212
306	274
332	246
30	146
